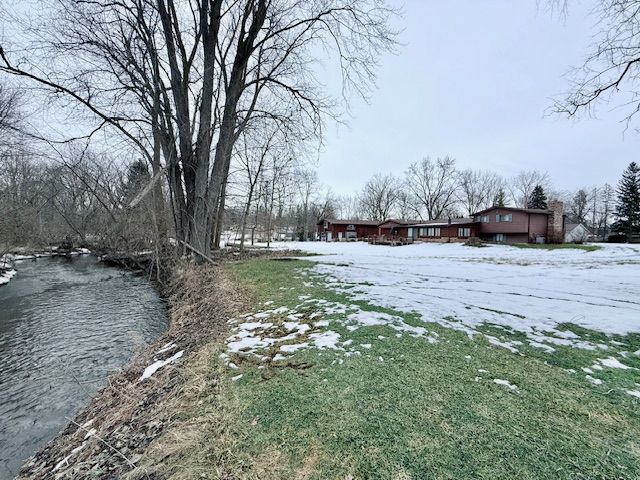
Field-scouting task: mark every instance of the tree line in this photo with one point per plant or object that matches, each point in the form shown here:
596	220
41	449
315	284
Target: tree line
436	188
199	121
180	83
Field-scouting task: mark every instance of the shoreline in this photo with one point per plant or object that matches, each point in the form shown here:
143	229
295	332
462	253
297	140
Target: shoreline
139	403
8	268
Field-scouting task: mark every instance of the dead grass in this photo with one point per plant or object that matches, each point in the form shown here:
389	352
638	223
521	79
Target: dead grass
148	422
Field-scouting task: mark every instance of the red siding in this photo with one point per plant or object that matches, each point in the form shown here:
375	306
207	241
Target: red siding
524	227
449	231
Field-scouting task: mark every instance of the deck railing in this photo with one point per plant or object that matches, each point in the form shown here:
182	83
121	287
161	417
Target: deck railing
393	240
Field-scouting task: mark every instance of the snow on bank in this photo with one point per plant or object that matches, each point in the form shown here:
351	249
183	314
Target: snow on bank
7	260
158	364
6	275
523	290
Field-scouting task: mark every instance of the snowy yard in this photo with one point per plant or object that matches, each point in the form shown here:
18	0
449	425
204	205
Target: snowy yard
526	290
440	361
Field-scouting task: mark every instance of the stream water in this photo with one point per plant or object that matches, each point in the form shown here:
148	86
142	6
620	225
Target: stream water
65	325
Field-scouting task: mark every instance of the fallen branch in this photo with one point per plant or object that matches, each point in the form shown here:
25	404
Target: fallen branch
195	250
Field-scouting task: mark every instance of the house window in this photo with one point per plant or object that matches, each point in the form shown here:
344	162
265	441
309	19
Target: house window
500	237
504	218
429	232
483	219
464	232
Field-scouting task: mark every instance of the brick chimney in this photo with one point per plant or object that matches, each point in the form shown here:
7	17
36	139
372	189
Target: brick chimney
555	225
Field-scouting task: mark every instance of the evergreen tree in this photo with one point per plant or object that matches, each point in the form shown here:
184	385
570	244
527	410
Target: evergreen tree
538	199
628	204
500	199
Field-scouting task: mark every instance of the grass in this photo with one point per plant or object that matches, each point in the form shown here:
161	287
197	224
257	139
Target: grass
557	246
409	409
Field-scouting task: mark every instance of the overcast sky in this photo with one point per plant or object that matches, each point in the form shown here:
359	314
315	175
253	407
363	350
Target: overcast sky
474	80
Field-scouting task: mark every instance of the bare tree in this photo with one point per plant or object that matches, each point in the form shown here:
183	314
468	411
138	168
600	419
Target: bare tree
348	207
9	117
580	206
433	184
478	189
521	186
379	196
612	67
181	83
307	185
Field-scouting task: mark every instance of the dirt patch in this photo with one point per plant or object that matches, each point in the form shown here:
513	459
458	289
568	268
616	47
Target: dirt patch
124	422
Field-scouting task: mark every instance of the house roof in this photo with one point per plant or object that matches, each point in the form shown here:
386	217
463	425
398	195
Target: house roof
438	222
335	221
398	221
513	209
570	227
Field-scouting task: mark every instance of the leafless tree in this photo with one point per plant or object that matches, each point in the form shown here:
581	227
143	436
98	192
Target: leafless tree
348	207
379	196
612	66
521	186
306	181
181	82
9	117
580	205
478	189
433	184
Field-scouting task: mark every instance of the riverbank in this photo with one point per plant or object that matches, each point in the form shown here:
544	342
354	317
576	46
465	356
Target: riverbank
146	407
318	369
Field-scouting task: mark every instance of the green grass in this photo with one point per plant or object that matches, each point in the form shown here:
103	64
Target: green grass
425	411
557	246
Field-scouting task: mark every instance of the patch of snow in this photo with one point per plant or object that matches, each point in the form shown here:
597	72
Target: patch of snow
365	345
499	285
612	362
595	381
505	383
508	345
328	339
166	348
634	393
154	367
236	378
291	348
65	460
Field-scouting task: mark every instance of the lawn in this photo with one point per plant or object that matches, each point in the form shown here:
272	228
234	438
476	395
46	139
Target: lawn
327	381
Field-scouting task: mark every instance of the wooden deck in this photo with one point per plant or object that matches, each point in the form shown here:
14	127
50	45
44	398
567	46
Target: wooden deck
392	240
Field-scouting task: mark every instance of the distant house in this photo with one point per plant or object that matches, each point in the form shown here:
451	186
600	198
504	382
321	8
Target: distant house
330	229
576	233
444	230
495	224
396	227
522	225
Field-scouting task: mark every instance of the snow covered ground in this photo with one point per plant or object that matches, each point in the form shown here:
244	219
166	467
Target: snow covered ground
527	290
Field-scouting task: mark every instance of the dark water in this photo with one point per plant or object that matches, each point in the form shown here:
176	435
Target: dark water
64	326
